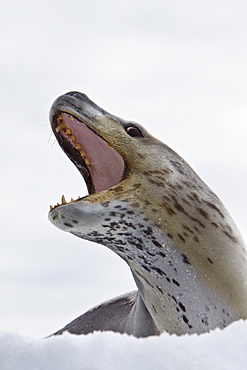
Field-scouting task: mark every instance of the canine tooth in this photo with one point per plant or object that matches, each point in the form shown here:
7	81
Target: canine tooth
72	138
82	153
87	161
60	126
51	207
78	146
68	131
63	200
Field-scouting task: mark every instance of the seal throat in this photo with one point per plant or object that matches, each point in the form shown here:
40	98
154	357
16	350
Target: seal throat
101	166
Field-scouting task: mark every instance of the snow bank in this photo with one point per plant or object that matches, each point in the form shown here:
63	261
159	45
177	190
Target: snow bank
220	349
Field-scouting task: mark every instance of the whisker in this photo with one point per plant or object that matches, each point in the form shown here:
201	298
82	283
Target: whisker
55	141
49	136
49	139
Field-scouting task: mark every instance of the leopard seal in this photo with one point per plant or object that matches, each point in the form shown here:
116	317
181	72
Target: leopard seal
147	205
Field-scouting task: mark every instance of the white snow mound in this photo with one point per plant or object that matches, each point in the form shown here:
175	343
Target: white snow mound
219	349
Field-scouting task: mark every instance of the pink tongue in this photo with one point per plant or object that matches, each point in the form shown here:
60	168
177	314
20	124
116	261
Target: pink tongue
106	165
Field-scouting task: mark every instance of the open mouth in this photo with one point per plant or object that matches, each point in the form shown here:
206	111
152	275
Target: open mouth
100	164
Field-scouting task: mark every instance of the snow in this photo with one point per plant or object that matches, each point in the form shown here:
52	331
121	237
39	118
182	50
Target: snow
219	349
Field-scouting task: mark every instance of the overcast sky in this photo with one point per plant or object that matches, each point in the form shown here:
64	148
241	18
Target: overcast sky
176	67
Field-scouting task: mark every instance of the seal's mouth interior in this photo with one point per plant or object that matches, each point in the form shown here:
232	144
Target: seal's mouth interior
99	163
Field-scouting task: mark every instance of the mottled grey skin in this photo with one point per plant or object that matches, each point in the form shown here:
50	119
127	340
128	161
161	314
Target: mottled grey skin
184	250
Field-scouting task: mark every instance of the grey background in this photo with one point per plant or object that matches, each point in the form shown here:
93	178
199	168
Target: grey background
176	67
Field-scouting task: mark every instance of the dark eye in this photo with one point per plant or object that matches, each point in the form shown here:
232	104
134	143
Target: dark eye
133	131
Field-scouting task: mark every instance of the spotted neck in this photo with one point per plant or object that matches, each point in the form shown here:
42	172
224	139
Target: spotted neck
178	298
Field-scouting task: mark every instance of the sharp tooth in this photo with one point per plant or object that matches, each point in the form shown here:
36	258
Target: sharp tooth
63	200
72	138
51	207
82	153
68	131
60	126
77	146
87	161
72	200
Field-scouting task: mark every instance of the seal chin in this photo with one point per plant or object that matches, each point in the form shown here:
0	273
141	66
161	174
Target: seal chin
101	166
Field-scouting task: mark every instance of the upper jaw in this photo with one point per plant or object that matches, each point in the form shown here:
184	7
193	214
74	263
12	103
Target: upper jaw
77	104
80	106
